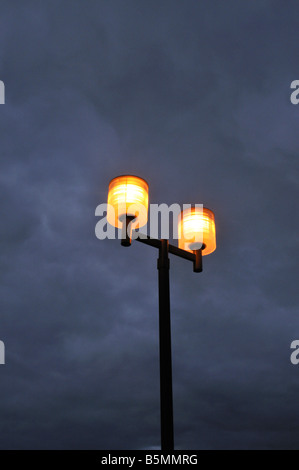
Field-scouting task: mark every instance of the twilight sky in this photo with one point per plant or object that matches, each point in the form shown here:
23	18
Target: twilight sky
194	97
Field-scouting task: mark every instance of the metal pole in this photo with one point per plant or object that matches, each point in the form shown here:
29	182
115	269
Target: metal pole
126	234
167	441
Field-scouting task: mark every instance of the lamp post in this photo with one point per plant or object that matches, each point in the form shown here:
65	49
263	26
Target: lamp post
127	210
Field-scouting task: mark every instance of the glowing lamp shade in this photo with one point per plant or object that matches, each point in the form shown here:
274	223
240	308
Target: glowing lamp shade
127	196
197	229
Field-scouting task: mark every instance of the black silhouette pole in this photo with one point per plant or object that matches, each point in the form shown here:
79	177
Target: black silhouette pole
166	400
166	397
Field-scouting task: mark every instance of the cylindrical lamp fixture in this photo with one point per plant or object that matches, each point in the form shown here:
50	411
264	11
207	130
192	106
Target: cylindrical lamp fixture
197	230
127	197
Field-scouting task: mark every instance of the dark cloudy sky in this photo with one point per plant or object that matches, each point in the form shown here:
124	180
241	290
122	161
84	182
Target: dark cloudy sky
194	97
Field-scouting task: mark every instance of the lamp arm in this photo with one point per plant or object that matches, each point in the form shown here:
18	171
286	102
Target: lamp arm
195	257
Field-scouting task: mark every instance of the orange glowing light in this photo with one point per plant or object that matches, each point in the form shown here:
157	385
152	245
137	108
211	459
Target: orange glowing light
127	196
196	229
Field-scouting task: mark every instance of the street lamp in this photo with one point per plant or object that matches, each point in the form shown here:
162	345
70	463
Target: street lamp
196	228
128	210
127	204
